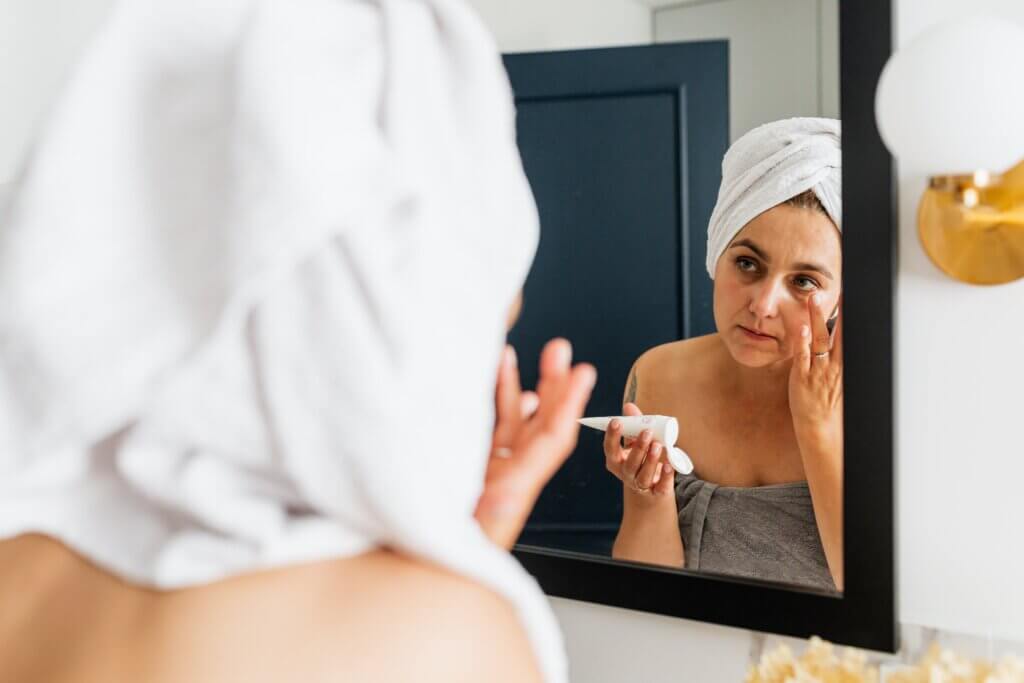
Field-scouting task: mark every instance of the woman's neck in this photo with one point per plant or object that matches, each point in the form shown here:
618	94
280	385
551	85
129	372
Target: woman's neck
768	385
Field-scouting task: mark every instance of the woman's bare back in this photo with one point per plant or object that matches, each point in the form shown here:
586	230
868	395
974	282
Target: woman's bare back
377	616
718	424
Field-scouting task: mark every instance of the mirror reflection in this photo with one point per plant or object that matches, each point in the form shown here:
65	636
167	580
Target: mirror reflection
690	201
758	401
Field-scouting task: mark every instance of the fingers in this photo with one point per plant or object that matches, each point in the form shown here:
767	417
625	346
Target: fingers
567	405
635	457
667	483
563	392
802	351
650	471
528	403
555	359
508	400
820	338
612	450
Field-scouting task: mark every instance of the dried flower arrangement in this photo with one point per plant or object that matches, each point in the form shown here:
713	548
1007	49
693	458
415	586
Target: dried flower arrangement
820	664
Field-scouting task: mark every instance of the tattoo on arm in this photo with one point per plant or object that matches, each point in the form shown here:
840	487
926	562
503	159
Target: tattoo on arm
631	389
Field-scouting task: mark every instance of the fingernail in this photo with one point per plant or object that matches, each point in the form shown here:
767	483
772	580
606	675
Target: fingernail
591	377
565	352
510	354
615	424
656	449
666	468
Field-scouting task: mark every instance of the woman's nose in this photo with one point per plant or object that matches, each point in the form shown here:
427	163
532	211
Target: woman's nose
765	300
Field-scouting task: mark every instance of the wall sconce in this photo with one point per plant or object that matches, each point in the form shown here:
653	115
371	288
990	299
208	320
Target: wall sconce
950	106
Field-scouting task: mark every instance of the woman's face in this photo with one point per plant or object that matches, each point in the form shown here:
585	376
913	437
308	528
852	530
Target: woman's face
764	279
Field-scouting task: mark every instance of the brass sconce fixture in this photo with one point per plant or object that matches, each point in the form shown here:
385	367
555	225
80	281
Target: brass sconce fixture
950	106
972	226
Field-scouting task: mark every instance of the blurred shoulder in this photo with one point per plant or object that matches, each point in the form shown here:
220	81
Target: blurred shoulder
421	622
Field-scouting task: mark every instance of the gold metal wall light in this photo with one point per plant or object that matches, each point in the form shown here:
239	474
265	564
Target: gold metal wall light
950	106
972	227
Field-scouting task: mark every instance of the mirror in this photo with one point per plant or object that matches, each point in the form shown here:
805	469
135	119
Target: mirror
623	139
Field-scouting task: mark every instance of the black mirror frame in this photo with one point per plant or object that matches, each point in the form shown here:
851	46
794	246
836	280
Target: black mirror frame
865	615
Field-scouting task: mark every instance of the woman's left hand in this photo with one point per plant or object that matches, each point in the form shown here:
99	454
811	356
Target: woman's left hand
816	378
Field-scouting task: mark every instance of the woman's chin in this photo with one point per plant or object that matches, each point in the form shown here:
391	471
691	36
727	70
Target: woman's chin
755	358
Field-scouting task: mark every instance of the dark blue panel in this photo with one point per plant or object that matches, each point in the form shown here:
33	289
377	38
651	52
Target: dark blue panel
623	151
604	179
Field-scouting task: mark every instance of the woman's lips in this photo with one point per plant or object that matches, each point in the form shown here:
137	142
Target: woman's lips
756	336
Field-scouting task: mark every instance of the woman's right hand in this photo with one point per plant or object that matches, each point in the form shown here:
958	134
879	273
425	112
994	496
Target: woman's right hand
641	465
534	434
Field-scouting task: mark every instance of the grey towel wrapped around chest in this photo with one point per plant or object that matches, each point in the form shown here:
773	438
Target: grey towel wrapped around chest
764	532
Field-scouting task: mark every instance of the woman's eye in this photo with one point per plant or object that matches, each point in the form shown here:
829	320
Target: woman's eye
805	283
747	265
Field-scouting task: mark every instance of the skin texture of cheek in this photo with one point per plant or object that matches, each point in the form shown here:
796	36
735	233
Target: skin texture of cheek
727	302
732	306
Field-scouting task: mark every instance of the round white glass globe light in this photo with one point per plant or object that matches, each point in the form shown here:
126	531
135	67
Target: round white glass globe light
952	100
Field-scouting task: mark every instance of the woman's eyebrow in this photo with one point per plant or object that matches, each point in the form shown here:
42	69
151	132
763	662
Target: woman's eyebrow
815	267
749	244
752	247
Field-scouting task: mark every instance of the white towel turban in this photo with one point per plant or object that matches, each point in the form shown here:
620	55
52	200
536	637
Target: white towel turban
767	166
253	287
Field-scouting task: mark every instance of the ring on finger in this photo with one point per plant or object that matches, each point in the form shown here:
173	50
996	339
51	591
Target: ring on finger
821	354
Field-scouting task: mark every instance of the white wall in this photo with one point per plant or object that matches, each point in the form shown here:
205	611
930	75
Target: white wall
783	54
961	411
960	395
531	25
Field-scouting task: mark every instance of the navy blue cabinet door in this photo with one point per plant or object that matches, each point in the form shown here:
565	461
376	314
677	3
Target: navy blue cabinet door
623	150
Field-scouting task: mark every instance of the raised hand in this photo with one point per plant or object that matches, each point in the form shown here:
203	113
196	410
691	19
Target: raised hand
534	433
816	378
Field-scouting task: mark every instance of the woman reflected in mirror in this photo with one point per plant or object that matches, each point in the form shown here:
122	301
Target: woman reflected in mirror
759	402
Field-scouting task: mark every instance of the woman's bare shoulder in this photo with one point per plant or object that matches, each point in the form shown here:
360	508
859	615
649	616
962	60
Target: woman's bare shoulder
668	366
418	618
385	616
377	616
671	353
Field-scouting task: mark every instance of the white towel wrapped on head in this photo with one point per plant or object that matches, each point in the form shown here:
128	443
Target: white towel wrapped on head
767	166
253	287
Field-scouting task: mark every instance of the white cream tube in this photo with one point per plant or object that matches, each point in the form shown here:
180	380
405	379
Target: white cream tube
664	429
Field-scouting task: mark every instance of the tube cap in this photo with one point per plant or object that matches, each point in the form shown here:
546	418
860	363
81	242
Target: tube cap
679	460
